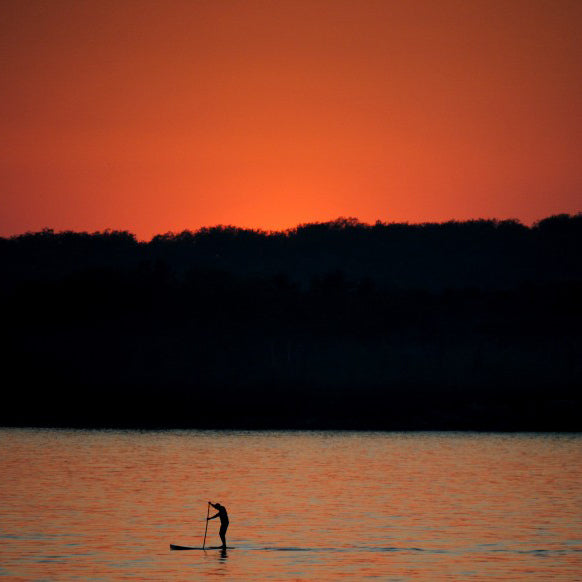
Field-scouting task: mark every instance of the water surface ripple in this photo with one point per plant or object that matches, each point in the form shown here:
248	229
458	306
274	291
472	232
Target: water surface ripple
105	505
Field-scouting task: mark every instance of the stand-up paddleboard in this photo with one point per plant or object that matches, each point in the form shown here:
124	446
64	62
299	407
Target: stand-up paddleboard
175	547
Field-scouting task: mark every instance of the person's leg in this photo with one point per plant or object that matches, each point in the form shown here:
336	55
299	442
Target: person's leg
222	534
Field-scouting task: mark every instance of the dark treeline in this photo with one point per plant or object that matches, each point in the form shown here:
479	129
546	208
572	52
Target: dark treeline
461	325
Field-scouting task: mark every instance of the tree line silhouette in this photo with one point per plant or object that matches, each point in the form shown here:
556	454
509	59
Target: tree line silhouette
459	325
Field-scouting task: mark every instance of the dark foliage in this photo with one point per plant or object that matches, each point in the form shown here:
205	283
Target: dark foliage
461	325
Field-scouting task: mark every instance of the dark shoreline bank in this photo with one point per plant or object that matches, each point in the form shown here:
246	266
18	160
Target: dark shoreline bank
455	326
266	411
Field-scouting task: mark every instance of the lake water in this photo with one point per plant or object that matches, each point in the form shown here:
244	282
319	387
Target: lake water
105	505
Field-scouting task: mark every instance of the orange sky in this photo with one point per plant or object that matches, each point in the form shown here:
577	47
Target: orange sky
157	116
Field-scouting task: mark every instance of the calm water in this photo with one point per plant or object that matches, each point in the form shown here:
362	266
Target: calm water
96	505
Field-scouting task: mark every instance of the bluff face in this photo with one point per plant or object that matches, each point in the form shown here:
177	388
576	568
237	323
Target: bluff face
460	325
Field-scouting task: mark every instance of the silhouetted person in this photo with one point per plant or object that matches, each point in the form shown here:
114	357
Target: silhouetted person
223	521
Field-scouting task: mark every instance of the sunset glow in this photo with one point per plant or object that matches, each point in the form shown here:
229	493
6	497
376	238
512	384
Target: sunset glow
163	116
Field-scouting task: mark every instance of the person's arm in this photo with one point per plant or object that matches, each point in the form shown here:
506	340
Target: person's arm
213	517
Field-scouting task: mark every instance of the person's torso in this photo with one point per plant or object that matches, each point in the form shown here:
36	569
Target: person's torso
223	515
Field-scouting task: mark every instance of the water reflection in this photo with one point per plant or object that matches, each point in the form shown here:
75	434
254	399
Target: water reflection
303	506
222	555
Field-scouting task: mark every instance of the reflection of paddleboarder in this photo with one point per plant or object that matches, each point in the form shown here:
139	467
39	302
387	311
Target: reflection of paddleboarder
223	521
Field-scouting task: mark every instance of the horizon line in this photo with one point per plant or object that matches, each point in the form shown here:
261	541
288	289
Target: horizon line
344	221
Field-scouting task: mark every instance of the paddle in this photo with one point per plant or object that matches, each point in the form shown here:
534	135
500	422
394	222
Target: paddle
207	514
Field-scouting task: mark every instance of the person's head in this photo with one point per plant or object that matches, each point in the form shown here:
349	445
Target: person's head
217	504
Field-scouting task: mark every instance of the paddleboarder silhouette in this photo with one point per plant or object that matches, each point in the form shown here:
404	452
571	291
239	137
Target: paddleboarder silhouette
223	520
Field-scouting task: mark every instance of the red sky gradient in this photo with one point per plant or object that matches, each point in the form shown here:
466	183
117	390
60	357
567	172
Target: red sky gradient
158	116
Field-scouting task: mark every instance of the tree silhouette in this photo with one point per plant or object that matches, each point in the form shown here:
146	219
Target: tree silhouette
338	324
